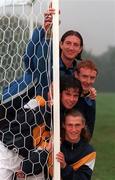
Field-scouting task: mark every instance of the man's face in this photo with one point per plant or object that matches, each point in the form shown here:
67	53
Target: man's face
70	47
73	127
87	78
69	97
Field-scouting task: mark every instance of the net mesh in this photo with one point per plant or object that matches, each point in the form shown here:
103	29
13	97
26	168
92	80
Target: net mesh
25	76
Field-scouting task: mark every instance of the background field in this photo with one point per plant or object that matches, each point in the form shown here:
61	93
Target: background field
104	137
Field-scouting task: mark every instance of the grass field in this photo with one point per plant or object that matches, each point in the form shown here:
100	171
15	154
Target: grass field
104	137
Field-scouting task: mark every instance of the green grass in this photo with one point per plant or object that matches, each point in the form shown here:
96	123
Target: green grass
104	137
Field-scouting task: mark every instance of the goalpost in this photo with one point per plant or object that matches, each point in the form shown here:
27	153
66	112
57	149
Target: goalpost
17	21
56	92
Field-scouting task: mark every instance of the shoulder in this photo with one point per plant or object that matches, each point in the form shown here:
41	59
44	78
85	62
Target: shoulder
86	101
88	148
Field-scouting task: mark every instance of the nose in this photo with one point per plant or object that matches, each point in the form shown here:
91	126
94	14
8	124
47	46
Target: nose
88	80
71	47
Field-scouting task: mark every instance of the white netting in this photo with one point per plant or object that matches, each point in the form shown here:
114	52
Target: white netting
25	76
16	26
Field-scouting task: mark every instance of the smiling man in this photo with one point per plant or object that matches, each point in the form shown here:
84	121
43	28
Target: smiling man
70	91
77	157
71	46
87	72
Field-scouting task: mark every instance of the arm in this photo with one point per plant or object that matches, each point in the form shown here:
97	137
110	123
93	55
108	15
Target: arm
35	163
37	37
84	172
32	53
37	160
90	117
89	112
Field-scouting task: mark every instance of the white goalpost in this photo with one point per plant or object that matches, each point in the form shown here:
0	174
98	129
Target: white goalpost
56	85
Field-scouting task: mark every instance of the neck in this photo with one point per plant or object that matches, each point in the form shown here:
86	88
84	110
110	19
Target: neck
74	141
68	62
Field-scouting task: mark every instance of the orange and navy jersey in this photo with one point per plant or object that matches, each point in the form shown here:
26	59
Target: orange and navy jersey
80	158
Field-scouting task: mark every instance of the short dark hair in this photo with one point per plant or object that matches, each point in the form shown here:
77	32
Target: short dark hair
67	82
73	33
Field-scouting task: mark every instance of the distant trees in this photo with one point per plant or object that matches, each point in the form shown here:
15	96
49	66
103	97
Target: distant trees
106	65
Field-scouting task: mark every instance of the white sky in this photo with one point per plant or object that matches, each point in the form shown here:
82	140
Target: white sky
94	19
8	2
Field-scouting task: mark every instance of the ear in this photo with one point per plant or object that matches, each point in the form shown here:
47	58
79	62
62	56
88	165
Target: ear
81	49
63	125
60	44
83	125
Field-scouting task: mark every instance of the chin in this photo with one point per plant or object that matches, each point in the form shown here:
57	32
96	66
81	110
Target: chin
67	107
71	57
86	89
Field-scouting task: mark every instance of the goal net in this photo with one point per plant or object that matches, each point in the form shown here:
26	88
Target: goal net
27	120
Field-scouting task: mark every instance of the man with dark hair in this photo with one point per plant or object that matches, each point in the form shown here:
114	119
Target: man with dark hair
70	92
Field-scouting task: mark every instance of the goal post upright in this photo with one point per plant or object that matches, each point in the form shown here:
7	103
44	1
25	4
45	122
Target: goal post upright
56	84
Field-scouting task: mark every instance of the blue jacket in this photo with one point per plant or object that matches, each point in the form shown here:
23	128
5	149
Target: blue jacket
36	66
74	153
67	71
88	109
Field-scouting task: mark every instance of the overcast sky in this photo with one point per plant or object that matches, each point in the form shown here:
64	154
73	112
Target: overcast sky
94	19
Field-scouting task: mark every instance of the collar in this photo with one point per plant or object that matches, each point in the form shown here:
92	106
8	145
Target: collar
70	145
63	66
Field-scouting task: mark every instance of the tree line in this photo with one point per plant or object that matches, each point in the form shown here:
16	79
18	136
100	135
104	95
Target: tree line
106	65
